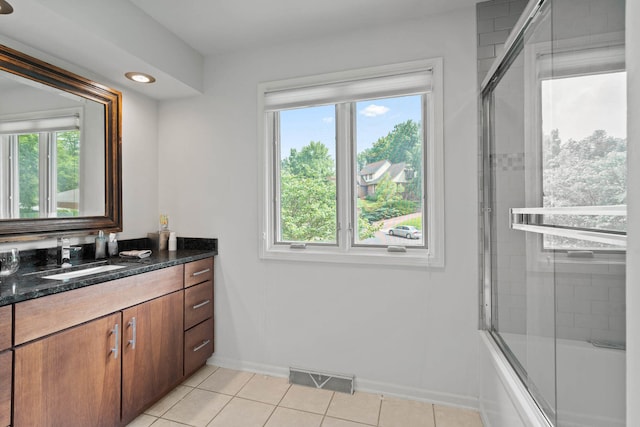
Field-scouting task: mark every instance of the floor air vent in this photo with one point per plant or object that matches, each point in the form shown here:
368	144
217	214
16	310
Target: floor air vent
325	381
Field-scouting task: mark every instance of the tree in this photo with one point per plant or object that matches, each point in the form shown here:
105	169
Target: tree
313	161
29	175
308	195
396	146
68	160
589	172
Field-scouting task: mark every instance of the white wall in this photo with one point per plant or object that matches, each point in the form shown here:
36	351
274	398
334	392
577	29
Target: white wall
406	331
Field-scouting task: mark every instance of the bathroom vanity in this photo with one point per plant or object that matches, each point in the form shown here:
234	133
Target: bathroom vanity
100	349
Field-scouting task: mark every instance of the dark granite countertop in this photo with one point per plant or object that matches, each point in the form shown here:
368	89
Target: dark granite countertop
28	283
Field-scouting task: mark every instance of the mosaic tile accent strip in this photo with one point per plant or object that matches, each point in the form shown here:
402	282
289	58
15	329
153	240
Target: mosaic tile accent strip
508	162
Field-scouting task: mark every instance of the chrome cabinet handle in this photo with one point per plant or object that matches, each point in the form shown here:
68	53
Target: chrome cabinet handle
115	331
202	304
201	346
132	341
197	273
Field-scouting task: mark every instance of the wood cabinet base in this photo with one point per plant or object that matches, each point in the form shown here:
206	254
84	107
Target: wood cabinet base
198	346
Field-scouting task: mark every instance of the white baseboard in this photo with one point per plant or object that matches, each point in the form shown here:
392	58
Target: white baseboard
361	384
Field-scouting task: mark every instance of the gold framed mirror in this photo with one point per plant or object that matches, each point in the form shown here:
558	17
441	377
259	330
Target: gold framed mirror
60	151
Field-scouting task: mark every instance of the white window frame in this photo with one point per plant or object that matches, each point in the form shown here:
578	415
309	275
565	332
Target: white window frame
346	252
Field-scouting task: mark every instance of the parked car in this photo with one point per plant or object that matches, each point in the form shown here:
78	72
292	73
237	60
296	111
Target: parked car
408	231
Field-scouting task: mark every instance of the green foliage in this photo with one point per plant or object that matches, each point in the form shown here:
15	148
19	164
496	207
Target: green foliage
67	169
382	208
308	195
308	208
589	172
313	161
395	147
68	158
29	178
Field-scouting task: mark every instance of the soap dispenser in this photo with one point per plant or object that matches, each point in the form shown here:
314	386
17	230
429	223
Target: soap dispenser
101	245
113	244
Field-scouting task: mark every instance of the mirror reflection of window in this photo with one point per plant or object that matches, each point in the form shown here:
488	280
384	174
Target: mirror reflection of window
40	162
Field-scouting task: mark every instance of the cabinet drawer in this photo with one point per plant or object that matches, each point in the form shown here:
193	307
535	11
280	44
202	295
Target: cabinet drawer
6	367
198	346
42	316
198	304
6	326
198	272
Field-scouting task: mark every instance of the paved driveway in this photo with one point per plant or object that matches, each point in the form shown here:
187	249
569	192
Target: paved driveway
382	236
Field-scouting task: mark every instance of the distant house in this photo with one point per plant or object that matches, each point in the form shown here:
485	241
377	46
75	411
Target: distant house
370	175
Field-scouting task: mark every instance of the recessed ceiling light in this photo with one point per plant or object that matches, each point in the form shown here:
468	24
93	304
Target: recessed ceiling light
5	8
139	77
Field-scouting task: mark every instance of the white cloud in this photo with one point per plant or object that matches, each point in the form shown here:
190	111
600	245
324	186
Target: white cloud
374	110
327	120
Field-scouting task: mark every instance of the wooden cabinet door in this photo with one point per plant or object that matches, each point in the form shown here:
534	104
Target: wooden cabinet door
71	378
152	352
6	365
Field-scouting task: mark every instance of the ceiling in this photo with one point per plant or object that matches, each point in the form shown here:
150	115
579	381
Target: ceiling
170	39
214	27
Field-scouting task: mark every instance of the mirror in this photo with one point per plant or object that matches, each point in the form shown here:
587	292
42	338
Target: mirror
60	151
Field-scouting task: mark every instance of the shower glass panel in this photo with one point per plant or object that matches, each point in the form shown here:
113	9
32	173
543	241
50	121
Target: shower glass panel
554	166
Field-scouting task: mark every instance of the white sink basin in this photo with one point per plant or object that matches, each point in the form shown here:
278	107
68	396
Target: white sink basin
84	272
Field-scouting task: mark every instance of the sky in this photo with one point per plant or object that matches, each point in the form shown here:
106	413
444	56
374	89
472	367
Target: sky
577	106
375	119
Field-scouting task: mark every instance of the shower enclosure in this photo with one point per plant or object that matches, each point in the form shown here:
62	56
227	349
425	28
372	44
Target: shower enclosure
554	208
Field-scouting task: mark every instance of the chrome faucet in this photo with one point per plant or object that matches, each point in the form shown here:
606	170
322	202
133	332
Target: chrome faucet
64	252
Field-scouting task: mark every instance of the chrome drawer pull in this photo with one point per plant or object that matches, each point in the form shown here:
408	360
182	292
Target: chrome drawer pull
115	332
202	304
132	342
201	346
197	273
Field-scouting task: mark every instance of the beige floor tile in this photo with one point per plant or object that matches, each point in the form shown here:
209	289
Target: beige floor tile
227	381
242	413
307	399
197	408
335	422
447	416
401	413
164	404
284	417
265	389
143	420
359	407
167	423
200	375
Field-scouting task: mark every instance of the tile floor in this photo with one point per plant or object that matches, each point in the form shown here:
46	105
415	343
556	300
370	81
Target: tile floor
219	397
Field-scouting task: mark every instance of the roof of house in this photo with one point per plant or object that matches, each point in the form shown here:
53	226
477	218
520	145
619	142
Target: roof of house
392	172
372	168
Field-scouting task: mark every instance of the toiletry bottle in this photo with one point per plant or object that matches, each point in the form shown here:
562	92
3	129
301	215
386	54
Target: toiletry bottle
113	245
101	245
173	241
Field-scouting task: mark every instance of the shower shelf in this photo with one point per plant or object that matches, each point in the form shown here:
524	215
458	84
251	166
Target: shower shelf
528	219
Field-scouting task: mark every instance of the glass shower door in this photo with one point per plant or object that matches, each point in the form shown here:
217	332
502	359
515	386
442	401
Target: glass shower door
555	210
522	316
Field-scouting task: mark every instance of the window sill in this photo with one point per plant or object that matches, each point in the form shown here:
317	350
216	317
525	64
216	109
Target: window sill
369	256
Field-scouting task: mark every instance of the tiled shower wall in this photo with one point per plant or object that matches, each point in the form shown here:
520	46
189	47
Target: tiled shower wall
495	19
589	296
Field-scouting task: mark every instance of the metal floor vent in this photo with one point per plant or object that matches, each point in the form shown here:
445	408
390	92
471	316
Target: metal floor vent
323	380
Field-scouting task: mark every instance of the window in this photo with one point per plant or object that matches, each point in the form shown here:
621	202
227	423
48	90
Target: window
352	166
40	165
579	141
